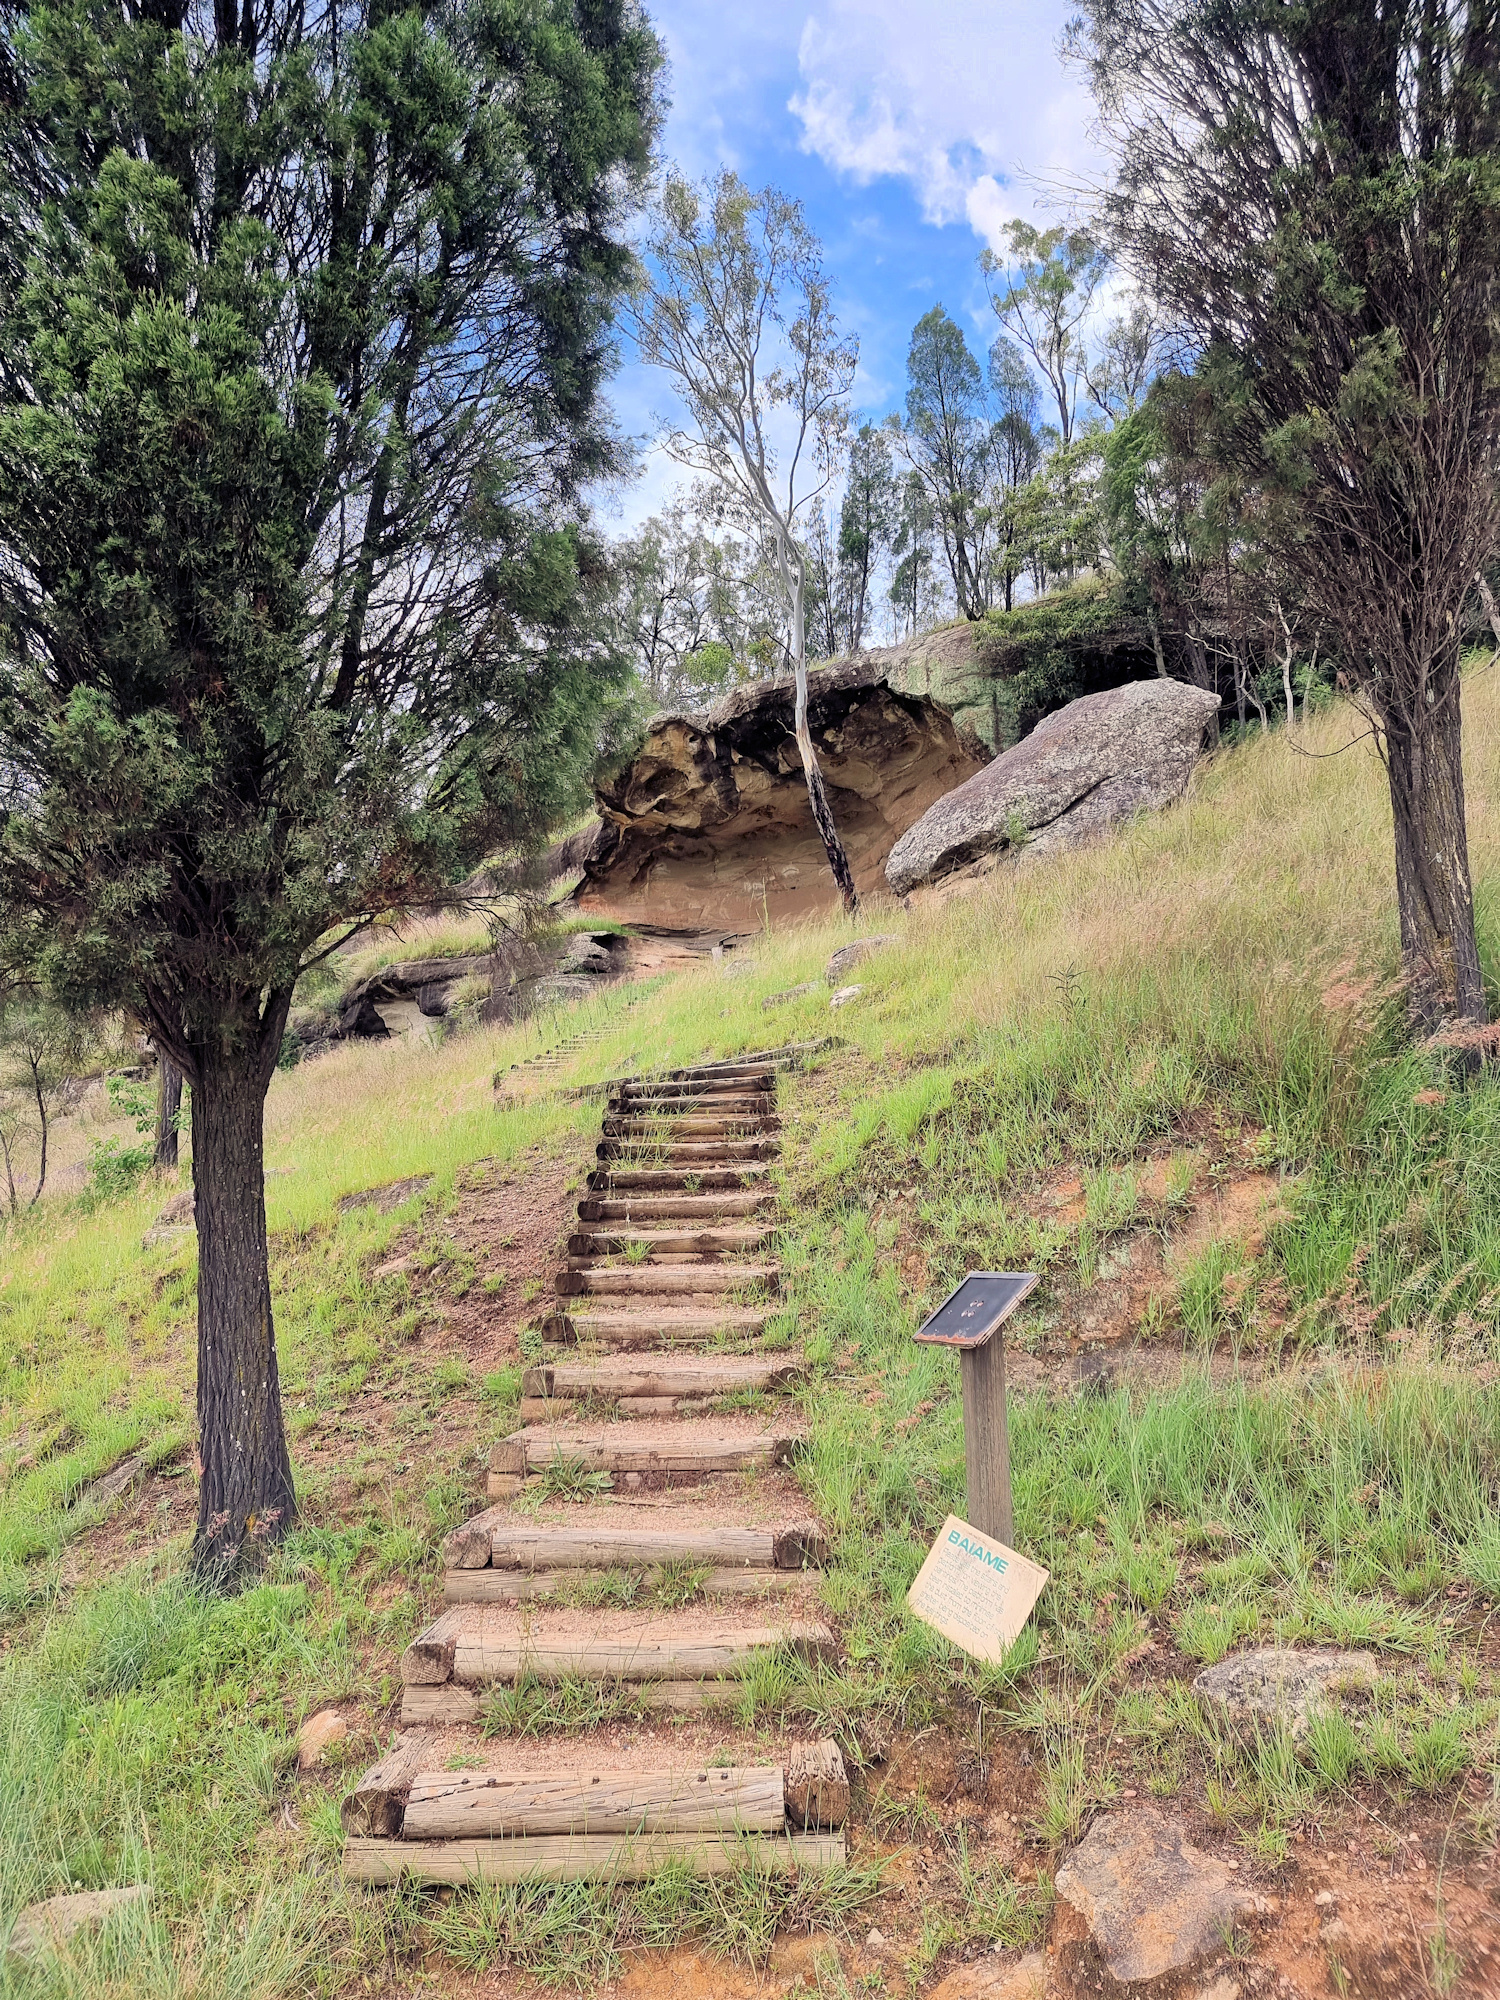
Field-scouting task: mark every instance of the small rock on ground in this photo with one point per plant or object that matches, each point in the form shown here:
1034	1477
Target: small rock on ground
848	956
318	1734
1282	1684
844	995
790	993
985	1979
59	1917
1153	1903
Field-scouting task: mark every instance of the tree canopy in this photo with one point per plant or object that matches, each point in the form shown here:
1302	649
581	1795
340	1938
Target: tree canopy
303	320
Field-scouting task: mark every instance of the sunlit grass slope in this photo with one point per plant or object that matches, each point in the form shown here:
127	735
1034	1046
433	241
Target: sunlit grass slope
1223	968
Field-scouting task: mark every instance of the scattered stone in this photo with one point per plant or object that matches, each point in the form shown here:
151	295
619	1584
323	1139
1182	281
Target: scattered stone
848	956
385	1198
394	1267
984	1980
103	1492
1099	760
168	1239
792	993
1223	1988
875	1941
180	1209
844	995
59	1917
1153	1903
319	1733
1282	1684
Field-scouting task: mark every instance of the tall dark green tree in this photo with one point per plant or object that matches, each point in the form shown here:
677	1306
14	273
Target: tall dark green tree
867	522
1313	192
946	441
304	312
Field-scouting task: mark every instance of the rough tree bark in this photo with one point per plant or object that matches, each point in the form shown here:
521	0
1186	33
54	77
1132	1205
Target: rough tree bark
245	1490
1438	945
168	1104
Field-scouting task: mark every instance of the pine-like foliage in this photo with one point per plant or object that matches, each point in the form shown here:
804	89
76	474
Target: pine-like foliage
303	318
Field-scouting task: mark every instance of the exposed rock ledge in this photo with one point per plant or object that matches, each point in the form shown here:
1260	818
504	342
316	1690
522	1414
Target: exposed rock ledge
709	825
1097	761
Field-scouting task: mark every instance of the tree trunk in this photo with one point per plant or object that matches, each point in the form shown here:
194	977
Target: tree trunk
1439	950
246	1492
168	1104
794	575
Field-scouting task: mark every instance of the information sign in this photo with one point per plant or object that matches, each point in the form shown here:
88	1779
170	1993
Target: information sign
975	1591
969	1315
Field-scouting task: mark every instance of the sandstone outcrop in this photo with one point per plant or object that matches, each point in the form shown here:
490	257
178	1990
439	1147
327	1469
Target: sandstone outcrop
1097	761
708	827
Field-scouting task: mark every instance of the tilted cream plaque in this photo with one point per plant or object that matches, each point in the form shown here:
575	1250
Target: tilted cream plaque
975	1591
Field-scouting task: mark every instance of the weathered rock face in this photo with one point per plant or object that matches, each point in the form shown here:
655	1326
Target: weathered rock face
1080	770
709	826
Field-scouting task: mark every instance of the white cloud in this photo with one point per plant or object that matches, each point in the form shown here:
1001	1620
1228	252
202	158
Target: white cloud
966	100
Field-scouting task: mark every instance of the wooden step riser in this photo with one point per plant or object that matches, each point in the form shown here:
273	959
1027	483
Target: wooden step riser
477	1662
724	1153
672	1131
510	1545
582	1857
730	1242
533	1453
628	1181
505	1586
646	1281
660	1378
479	1805
653	1208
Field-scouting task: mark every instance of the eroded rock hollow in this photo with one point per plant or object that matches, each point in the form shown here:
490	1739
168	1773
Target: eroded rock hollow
709	828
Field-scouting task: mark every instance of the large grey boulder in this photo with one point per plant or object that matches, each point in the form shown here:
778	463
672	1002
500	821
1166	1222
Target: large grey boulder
1127	750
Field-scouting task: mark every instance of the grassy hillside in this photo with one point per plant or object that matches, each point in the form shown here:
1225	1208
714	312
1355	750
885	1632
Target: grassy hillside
1170	1073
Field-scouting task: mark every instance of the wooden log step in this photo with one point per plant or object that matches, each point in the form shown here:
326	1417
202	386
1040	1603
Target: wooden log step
705	1375
664	1180
491	1644
691	1153
680	1207
493	1805
745	1078
673	1130
666	1327
650	1280
377	1805
789	1545
580	1857
506	1586
705	1445
730	1241
663	1110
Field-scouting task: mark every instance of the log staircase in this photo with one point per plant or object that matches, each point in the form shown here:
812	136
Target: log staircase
629	1477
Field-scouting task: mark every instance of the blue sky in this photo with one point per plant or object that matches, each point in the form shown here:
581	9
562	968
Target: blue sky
911	133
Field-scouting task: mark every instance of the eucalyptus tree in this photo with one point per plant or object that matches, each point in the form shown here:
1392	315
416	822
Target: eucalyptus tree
304	315
736	308
945	439
1043	290
1313	193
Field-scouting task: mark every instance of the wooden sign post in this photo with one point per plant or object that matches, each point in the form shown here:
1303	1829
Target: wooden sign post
968	1319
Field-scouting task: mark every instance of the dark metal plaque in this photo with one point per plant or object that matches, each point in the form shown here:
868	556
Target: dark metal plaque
968	1316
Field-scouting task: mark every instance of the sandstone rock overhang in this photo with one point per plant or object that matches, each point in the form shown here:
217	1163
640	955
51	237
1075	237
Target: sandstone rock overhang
1082	769
709	825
